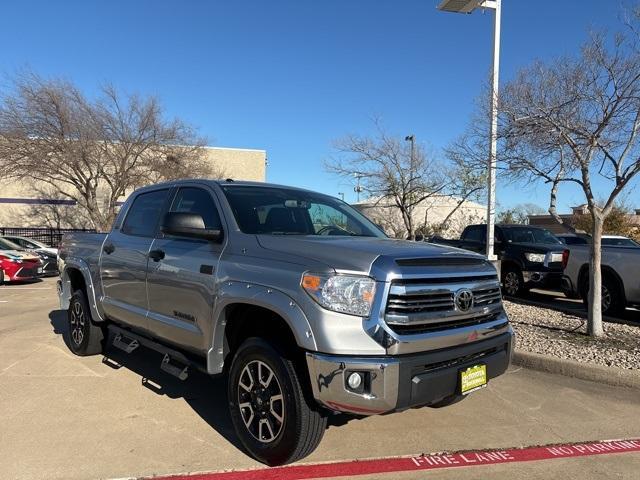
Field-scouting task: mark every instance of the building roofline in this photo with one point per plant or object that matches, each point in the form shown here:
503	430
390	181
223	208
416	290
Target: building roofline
236	149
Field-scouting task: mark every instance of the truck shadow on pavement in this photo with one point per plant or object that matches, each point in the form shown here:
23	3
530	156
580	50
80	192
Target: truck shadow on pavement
206	395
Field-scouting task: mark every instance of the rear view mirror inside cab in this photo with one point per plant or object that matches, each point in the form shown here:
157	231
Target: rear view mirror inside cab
297	204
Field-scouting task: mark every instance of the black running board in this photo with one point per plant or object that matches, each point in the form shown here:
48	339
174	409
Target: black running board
173	362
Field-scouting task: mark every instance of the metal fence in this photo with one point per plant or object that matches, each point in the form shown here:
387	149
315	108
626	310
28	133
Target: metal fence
50	236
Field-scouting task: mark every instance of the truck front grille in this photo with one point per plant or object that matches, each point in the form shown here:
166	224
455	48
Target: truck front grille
424	305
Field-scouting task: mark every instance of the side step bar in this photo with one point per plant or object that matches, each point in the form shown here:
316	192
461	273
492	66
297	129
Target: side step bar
173	362
119	341
175	370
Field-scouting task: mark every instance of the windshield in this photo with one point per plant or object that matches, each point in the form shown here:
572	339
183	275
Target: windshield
530	235
569	240
7	245
283	211
619	242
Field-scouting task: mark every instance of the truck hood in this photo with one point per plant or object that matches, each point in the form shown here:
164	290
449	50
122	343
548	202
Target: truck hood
18	255
354	253
540	247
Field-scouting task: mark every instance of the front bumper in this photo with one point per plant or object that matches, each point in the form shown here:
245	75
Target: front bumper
542	279
401	382
50	268
23	272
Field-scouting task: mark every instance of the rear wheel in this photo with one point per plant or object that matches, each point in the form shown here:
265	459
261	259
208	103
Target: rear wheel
270	412
1	276
611	296
84	337
512	282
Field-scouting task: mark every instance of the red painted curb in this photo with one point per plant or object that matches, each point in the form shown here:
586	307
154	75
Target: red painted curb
421	462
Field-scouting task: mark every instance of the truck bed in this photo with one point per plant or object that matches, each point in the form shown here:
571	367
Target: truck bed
624	261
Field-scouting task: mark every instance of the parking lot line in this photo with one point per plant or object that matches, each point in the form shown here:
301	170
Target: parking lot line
421	462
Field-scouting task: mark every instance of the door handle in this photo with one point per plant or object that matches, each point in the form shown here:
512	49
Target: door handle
108	248
156	255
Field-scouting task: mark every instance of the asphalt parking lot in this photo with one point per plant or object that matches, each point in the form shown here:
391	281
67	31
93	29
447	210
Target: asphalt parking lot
66	417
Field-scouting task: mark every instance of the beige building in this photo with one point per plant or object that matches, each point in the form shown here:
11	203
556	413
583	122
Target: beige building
22	206
430	214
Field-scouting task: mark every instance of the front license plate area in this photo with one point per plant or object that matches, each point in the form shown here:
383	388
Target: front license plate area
473	378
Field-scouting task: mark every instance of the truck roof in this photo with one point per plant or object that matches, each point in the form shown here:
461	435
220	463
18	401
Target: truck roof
509	225
228	181
518	225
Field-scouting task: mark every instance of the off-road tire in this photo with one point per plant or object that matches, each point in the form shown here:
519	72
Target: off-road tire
513	282
303	424
614	305
83	336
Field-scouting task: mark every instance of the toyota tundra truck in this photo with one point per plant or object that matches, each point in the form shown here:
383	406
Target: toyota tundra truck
302	302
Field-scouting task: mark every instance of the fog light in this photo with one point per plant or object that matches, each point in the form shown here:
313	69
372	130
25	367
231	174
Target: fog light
354	381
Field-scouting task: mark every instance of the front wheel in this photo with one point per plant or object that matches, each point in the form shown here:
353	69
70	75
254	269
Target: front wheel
512	282
271	415
84	337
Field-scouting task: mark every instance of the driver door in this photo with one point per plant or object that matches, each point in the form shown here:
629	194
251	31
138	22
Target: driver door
181	275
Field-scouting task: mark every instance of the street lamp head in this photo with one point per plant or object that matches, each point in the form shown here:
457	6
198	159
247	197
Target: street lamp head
409	138
460	6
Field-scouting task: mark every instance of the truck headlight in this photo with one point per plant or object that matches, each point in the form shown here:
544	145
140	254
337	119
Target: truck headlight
349	294
535	257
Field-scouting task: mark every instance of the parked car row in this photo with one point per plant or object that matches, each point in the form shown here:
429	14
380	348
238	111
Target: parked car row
24	259
530	257
607	240
533	257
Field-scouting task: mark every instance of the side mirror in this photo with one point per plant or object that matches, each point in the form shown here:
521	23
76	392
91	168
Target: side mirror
188	225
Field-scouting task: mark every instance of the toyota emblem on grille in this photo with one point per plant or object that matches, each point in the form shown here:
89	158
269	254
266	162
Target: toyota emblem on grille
463	300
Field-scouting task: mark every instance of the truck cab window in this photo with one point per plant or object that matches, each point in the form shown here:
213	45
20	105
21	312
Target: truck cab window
144	214
475	234
197	200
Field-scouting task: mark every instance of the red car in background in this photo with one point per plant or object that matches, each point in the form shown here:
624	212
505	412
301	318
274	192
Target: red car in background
17	265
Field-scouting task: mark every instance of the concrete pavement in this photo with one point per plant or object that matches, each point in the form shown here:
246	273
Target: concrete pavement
66	417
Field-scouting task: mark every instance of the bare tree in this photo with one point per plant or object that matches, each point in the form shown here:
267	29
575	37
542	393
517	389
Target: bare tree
397	176
56	210
92	151
571	121
465	183
519	214
618	222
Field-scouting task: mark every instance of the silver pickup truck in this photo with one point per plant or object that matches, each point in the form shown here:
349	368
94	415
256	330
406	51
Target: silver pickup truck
304	304
620	279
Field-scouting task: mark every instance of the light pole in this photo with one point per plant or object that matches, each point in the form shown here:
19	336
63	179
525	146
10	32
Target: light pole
468	6
341	195
412	138
358	189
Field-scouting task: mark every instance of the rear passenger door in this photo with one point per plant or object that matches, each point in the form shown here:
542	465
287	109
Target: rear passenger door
181	275
123	261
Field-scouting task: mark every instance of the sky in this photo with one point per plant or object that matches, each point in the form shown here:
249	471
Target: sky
290	77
